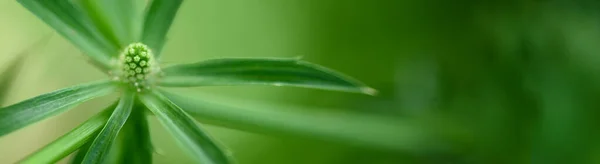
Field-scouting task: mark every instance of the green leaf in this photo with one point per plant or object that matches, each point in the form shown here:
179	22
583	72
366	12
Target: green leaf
9	75
188	134
369	131
257	71
38	108
71	141
104	141
159	17
126	18
136	147
13	69
80	154
67	20
98	16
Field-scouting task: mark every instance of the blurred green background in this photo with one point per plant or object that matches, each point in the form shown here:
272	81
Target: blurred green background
489	81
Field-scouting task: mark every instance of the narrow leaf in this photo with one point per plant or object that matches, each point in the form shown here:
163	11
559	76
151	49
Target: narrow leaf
125	16
71	141
106	27
188	134
136	147
38	108
159	17
104	141
276	72
67	20
370	131
80	154
9	75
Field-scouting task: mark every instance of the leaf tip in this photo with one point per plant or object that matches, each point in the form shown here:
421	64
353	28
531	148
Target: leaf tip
229	156
298	57
369	91
159	152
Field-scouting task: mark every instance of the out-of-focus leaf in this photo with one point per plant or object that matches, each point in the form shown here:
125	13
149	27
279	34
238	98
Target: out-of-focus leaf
136	147
159	17
71	141
363	130
276	72
80	154
104	141
67	20
8	76
200	146
38	108
106	26
126	18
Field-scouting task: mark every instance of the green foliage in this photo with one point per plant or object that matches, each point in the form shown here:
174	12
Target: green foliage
102	35
19	115
123	16
276	72
136	147
71	141
12	71
184	128
71	23
100	147
80	154
352	129
8	77
92	9
159	18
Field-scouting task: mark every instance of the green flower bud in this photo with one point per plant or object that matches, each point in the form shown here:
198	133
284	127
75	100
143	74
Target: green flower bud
137	66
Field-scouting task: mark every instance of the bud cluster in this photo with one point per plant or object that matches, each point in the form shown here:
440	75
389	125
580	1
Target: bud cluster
137	66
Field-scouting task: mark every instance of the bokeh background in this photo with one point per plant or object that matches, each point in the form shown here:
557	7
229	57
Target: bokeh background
469	82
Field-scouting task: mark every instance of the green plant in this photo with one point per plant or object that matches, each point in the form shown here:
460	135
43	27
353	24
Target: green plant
126	44
12	70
